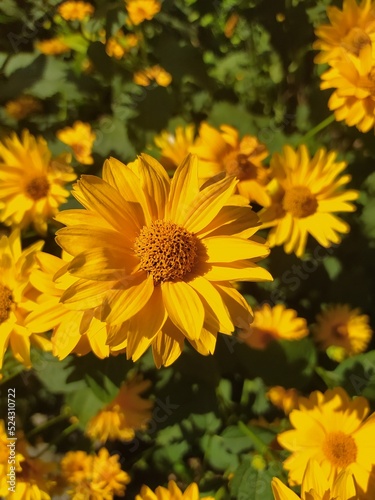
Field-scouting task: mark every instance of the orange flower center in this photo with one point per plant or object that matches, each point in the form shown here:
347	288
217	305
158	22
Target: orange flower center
78	149
239	164
37	188
355	40
340	449
300	202
166	250
340	330
6	301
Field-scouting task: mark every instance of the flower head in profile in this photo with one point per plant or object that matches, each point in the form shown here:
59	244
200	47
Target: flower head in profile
306	194
274	323
150	245
223	151
22	107
80	138
285	399
142	10
52	46
342	330
333	430
31	182
157	74
172	492
316	487
175	147
75	10
127	413
120	44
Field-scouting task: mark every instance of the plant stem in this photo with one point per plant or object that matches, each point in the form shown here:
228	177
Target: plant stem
261	447
51	421
322	125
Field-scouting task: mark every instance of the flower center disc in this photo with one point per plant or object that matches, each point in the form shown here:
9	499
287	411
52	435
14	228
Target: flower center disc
239	164
355	40
6	302
166	250
340	331
300	202
38	188
340	449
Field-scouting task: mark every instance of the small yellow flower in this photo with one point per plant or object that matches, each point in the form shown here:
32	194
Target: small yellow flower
344	328
231	24
72	11
173	492
285	399
140	10
120	44
80	138
175	147
22	107
52	46
156	74
274	323
127	413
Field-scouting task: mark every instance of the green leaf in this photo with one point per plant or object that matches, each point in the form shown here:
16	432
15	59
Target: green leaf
250	484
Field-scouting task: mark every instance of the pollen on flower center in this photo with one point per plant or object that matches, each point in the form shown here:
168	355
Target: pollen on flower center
340	331
355	40
340	449
300	202
239	164
166	250
6	301
37	188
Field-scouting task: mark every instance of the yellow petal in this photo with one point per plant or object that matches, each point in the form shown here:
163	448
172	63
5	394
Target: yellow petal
156	183
227	249
238	271
167	345
281	491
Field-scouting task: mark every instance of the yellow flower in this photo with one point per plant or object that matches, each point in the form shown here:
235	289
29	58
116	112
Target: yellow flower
140	10
156	73
94	477
175	147
354	80
17	299
72	11
223	151
31	182
52	46
231	24
120	44
285	399
316	487
151	245
350	29
308	191
80	138
173	492
345	329
274	323
127	413
331	429
7	453
22	107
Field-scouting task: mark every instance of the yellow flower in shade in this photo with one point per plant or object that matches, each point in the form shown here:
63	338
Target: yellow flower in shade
316	487
155	73
274	323
151	245
333	430
308	191
127	413
94	477
140	10
73	11
175	147
285	399
353	79
231	24
342	330
17	299
31	182
80	138
173	492
224	151
119	45
350	29
53	46
22	107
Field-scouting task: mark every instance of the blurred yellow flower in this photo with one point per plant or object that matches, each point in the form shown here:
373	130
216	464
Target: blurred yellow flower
285	399
52	46
31	182
173	492
231	24
155	73
72	11
127	413
153	245
274	323
333	430
23	106
120	44
343	329
140	10
17	299
223	151
80	138
306	192
175	147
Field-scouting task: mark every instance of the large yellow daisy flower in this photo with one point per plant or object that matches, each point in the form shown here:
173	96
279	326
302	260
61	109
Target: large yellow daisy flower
306	193
173	492
31	182
331	429
162	253
224	151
